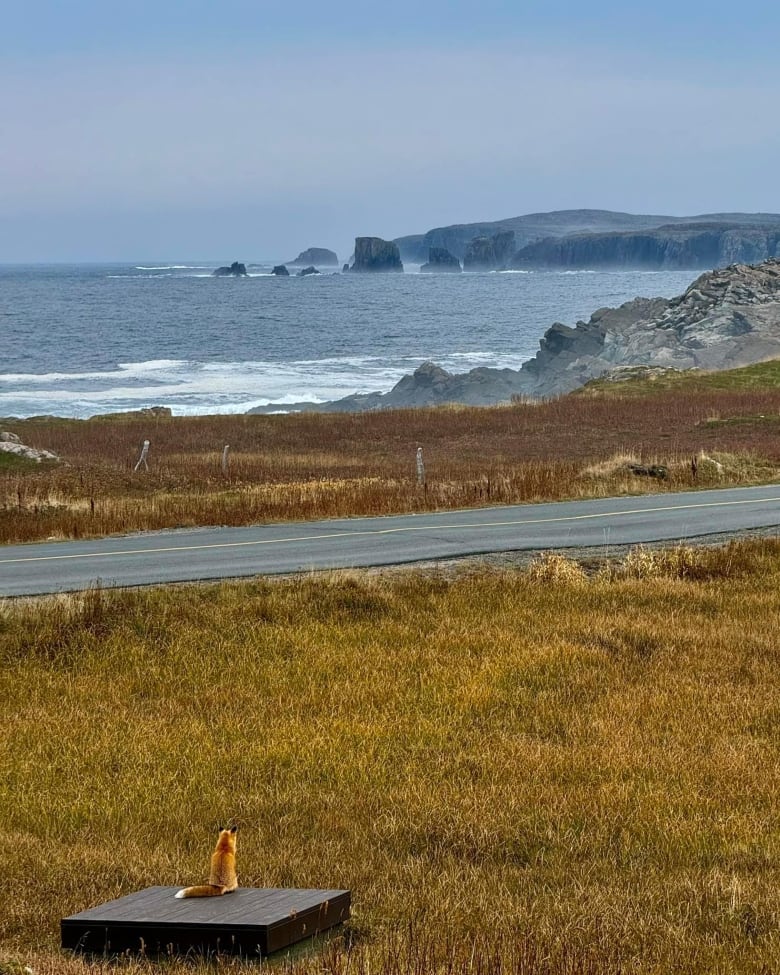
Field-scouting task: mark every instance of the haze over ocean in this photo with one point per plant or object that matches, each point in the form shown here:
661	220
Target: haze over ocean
87	339
250	128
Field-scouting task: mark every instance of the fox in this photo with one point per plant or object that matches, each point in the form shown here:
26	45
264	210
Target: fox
222	875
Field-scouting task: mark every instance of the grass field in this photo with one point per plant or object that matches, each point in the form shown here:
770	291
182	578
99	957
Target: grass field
319	466
527	772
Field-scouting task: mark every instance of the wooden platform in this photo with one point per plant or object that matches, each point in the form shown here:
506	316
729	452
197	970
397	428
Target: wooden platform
250	921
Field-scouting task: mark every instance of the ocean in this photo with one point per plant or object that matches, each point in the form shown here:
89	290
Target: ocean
77	340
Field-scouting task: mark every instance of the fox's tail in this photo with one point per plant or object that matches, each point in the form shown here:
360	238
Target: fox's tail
204	890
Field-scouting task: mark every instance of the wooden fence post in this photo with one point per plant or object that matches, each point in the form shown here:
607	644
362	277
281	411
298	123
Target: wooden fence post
420	467
142	458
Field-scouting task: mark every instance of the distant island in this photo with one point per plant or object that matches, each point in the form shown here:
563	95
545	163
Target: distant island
317	257
601	239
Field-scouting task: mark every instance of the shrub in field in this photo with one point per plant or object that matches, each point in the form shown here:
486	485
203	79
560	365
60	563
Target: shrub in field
553	567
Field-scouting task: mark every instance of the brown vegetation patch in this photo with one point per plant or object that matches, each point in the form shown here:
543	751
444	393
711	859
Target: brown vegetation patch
331	465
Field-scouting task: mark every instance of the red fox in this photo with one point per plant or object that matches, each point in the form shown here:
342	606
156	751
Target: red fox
222	875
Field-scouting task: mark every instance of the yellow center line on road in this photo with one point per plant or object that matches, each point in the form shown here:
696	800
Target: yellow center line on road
390	531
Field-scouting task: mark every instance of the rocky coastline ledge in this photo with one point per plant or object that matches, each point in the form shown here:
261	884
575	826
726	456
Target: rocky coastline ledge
726	318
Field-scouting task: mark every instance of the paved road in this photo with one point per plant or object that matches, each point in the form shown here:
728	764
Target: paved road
218	553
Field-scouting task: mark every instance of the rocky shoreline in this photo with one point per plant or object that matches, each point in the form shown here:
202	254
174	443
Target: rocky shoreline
726	318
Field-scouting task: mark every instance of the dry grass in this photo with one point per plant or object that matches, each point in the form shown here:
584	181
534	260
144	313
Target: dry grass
512	773
318	466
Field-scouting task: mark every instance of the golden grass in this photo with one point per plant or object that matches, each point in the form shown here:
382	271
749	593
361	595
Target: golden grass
320	466
513	772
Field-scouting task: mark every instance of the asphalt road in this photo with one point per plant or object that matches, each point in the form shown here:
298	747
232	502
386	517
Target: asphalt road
219	553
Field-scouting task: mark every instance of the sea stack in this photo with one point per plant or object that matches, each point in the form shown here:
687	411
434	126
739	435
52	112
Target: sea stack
373	254
440	261
490	253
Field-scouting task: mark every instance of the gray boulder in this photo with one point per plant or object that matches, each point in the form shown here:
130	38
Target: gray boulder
372	254
21	450
307	271
440	261
281	271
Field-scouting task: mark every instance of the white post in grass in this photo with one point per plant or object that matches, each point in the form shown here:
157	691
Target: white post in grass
420	467
225	450
142	458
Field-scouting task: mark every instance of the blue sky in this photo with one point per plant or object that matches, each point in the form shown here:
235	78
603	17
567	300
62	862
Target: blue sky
252	130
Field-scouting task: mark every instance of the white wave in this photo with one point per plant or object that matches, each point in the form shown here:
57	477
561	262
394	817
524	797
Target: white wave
171	267
124	370
196	388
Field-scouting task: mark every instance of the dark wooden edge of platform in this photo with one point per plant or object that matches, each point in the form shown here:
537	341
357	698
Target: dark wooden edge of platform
121	936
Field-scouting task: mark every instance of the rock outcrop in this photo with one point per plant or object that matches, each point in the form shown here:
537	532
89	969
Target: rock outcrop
696	246
307	271
726	318
440	261
318	256
235	270
280	271
489	253
374	254
10	443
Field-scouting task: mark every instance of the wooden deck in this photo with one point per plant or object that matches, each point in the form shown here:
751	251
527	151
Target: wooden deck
250	921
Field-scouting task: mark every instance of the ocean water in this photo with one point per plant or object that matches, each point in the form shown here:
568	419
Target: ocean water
76	340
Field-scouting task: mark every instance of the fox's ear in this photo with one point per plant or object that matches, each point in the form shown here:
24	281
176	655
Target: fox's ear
220	828
234	829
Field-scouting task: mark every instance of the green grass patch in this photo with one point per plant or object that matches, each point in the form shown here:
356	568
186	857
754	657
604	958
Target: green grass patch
641	381
12	463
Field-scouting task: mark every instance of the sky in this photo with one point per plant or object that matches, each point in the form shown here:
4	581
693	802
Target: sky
250	130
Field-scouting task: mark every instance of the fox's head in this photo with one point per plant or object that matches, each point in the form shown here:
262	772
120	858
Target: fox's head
227	838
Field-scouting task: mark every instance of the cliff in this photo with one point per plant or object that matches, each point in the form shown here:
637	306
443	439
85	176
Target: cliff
699	245
533	227
440	261
489	253
727	318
